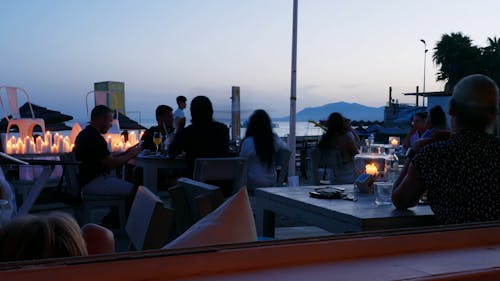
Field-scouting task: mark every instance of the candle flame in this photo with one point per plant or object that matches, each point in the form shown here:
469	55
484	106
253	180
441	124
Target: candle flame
371	169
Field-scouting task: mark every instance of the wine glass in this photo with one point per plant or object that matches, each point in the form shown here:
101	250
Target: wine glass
157	141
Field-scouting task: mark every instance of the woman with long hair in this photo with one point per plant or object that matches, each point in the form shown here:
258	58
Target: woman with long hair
259	147
336	139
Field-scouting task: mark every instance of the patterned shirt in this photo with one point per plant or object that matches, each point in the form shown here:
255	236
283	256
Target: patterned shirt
462	176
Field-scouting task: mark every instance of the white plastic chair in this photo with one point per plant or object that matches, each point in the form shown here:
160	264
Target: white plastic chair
25	125
115	125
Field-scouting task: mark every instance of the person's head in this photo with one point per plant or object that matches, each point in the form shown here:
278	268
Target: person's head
201	110
347	124
38	237
101	118
474	103
181	101
260	128
418	121
164	115
336	124
259	123
436	119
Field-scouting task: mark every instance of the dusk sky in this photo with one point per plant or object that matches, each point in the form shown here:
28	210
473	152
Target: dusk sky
347	50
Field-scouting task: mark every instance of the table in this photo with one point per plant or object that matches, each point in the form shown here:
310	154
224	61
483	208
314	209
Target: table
334	215
152	163
40	182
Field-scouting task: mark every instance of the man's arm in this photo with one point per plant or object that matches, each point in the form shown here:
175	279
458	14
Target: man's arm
116	161
407	193
406	143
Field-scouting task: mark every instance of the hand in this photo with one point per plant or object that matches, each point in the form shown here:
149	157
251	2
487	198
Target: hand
134	150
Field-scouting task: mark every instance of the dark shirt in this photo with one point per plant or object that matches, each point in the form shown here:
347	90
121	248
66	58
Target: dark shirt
90	148
208	140
462	176
147	137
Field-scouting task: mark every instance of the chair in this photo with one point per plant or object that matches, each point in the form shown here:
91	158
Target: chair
89	202
329	159
231	222
222	169
150	222
192	200
282	158
25	125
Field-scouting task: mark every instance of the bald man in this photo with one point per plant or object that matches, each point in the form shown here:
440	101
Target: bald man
462	174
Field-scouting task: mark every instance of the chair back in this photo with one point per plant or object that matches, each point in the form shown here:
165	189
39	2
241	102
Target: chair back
70	173
329	159
282	158
222	169
192	200
11	94
150	222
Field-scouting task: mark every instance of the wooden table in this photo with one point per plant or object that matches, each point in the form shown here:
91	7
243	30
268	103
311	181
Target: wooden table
334	215
152	163
40	181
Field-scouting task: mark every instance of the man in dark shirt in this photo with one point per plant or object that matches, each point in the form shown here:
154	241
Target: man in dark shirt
462	174
165	119
203	138
97	161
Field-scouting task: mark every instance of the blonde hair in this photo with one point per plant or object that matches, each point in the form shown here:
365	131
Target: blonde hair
38	237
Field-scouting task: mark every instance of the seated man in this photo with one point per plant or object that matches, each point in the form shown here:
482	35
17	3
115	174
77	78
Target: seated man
462	174
97	161
165	120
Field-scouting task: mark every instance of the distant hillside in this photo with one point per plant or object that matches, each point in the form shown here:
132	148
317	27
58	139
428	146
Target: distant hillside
353	111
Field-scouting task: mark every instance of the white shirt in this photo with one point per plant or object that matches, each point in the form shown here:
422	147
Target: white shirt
178	113
259	174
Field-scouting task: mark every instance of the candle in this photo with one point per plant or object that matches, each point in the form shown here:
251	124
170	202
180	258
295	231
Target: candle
32	147
8	148
371	169
48	138
39	145
53	149
132	138
394	141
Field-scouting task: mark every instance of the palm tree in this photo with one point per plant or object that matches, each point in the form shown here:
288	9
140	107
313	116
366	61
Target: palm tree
491	59
457	58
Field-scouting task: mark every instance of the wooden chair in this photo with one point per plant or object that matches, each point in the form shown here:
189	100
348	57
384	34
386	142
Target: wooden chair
149	224
329	159
282	158
213	170
192	200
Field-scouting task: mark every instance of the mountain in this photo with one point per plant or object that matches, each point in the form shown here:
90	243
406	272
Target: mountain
353	111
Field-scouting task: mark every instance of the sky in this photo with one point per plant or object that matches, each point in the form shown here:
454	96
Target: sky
347	50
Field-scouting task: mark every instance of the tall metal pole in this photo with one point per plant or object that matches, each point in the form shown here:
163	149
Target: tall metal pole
425	60
293	93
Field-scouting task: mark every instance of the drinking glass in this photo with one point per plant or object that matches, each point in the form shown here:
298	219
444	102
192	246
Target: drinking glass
383	193
157	141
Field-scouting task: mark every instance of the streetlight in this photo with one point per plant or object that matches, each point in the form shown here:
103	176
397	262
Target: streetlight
425	59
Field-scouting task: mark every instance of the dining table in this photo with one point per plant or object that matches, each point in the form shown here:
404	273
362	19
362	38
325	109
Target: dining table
152	163
333	215
40	181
